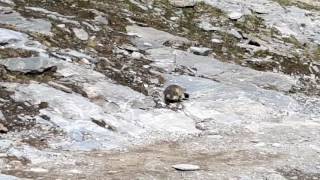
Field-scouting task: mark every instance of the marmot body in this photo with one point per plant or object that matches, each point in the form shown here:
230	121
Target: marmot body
175	93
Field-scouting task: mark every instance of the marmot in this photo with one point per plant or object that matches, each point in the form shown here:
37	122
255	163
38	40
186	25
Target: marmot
175	93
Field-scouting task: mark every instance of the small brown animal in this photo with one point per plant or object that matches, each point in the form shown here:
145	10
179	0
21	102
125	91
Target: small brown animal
175	93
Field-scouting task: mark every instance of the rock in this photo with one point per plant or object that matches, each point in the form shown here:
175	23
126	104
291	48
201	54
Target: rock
137	55
60	87
203	51
155	37
186	167
9	2
1	116
3	129
174	18
235	15
208	26
80	34
216	41
29	65
147	44
129	47
8	177
182	3
235	33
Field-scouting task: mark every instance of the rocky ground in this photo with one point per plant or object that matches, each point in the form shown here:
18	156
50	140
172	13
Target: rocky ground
81	87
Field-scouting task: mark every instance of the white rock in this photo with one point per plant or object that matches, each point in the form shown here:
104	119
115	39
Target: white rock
235	33
147	44
39	170
217	41
208	26
1	116
81	34
200	50
235	15
186	167
137	55
183	3
174	18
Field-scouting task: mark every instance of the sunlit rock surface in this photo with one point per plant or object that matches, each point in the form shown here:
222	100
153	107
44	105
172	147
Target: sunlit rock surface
81	89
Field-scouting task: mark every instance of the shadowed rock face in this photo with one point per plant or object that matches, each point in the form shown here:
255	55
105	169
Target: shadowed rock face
81	89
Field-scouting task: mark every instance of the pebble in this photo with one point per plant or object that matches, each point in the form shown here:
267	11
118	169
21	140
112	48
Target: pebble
182	3
217	41
174	18
129	47
136	55
39	170
186	167
203	51
80	34
235	15
235	33
147	44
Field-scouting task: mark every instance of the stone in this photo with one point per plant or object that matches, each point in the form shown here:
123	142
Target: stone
80	34
3	129
186	167
2	116
235	15
203	51
137	55
183	3
235	33
129	47
208	26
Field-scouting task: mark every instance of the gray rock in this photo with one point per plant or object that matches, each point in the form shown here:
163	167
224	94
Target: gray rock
235	33
129	47
203	51
183	3
153	37
208	26
235	15
1	116
217	41
80	34
186	167
28	65
137	55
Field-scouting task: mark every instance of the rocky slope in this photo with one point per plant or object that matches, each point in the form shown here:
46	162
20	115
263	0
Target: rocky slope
81	89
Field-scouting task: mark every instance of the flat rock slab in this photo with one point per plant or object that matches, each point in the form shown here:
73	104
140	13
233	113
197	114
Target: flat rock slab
27	65
186	167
